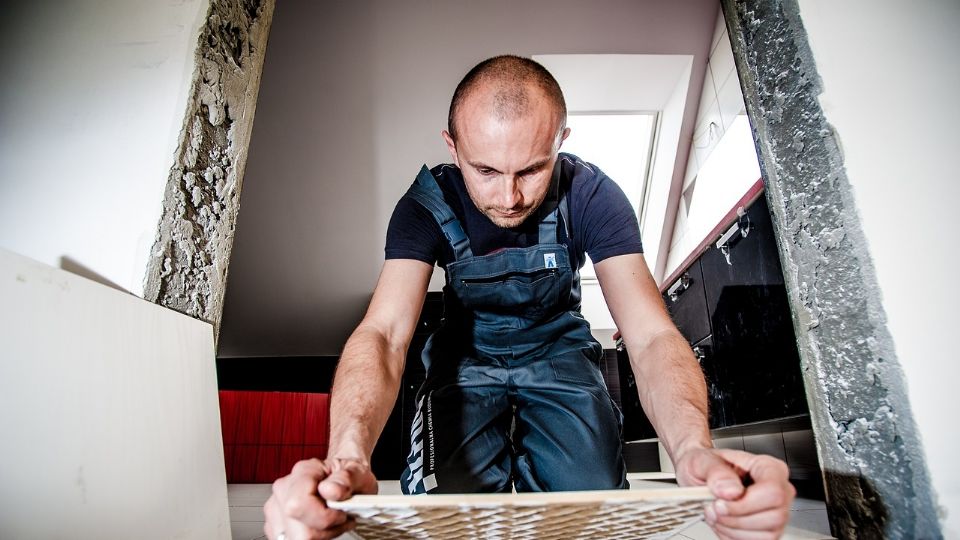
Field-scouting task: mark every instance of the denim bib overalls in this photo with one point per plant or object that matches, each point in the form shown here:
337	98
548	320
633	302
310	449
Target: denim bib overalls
514	396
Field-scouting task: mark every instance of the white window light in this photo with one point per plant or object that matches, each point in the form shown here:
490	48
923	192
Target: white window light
620	143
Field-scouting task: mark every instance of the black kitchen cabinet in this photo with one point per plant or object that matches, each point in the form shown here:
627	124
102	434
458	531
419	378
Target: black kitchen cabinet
637	426
718	393
731	306
687	303
755	350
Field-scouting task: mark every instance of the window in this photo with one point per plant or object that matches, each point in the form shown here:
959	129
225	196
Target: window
620	143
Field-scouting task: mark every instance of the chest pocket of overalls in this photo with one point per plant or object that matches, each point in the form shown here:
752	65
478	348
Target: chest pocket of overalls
515	281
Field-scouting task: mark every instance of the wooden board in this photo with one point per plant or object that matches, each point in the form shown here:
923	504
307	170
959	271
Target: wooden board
110	425
619	514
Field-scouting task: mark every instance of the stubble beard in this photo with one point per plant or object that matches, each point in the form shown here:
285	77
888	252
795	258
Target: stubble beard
508	222
494	214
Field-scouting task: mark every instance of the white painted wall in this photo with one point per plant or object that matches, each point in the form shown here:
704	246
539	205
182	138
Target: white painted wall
722	165
353	99
91	106
110	417
661	203
890	79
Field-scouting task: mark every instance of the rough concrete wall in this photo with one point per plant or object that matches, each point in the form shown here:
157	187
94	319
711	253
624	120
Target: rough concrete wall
876	479
188	263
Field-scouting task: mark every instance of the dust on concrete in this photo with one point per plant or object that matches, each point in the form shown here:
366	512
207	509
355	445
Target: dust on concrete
188	264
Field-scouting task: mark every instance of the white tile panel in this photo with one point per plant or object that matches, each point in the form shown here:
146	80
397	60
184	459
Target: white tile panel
730	100
768	444
708	98
708	134
252	513
678	252
115	430
801	449
693	167
808	524
734	443
719	30
721	61
248	530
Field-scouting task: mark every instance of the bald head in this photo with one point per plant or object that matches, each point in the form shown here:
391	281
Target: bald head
509	86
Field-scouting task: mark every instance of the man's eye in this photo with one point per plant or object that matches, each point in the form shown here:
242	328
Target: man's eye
484	171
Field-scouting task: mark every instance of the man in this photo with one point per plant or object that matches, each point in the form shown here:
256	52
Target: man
513	396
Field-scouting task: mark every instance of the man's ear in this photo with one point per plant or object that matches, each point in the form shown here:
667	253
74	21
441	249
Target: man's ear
563	136
451	146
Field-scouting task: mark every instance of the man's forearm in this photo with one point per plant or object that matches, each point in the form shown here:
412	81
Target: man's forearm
364	392
673	392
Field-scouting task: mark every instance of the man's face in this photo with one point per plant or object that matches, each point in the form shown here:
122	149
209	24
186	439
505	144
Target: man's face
507	164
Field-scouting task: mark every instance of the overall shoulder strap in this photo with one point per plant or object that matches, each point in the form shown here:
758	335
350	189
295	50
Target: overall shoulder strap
550	207
426	191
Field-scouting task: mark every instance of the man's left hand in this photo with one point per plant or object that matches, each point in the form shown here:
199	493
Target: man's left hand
759	510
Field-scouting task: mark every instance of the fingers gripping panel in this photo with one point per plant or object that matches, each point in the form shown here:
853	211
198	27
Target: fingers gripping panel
583	515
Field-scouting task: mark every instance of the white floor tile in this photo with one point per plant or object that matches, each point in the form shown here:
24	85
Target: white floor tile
702	531
814	521
699	531
247	530
255	490
248	494
808	504
794	533
246	513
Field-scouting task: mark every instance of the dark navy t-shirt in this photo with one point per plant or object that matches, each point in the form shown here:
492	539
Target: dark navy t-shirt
602	222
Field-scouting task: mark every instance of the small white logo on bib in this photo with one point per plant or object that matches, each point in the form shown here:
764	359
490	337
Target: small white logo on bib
549	260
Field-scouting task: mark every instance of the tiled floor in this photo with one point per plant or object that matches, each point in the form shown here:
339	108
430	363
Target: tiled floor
808	519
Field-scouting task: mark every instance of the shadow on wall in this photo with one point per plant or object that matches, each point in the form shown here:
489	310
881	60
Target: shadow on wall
75	267
304	259
870	519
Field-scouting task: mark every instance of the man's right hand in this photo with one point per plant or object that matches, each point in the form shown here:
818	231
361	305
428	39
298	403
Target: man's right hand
297	507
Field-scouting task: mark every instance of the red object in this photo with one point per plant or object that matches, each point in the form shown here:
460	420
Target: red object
271	419
318	413
266	433
294	420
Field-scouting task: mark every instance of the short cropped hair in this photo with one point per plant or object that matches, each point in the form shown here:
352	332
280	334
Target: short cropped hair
511	77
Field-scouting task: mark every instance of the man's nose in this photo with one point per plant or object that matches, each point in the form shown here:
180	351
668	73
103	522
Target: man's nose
510	195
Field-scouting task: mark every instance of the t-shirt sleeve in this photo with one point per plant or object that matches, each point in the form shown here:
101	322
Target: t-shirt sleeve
608	224
413	233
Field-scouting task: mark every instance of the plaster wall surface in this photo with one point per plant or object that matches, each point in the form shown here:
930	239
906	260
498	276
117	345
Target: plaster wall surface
188	264
869	445
889	77
91	109
352	102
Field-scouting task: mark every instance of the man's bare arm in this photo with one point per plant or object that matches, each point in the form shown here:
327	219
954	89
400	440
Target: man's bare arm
364	391
368	375
674	396
671	385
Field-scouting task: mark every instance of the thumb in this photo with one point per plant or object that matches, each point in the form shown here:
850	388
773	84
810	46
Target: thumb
722	477
346	480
